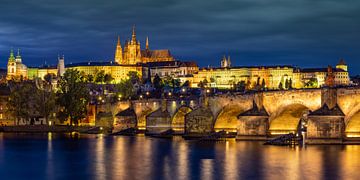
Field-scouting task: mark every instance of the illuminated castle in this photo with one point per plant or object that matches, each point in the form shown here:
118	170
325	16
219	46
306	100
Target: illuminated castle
128	58
132	53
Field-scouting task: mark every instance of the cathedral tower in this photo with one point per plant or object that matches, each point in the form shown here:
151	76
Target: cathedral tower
133	54
118	52
11	67
61	66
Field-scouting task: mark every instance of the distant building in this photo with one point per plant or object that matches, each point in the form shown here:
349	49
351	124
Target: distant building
227	77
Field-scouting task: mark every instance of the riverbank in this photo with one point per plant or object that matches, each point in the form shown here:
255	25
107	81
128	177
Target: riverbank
46	128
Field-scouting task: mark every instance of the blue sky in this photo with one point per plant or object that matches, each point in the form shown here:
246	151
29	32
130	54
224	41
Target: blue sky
305	33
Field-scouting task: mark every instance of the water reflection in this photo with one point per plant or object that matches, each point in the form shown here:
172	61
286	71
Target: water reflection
54	156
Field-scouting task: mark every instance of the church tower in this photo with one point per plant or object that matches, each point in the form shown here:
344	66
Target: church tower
11	66
61	66
342	65
18	57
118	52
133	49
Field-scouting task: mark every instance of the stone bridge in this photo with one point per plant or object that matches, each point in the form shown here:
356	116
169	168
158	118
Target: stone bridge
283	111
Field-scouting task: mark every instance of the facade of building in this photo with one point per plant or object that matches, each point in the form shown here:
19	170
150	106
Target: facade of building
273	77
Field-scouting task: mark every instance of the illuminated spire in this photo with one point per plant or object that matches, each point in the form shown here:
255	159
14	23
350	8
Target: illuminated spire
11	57
133	39
118	41
147	43
18	53
118	52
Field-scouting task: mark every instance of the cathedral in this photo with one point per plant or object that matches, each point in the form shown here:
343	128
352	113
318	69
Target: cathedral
132	53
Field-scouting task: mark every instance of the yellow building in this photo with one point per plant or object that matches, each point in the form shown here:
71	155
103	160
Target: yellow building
226	77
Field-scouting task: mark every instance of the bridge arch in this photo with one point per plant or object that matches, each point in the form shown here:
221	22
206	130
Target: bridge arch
227	118
178	120
142	110
352	122
287	118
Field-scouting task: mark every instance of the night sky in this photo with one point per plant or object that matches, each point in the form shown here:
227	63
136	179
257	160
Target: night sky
306	33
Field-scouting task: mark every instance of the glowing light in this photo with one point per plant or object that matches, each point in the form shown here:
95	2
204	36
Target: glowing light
169	93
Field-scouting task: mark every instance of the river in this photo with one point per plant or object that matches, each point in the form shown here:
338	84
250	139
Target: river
66	156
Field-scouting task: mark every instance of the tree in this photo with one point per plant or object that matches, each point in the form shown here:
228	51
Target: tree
89	78
281	86
18	104
108	78
201	84
134	77
286	84
49	77
263	84
240	86
290	83
186	84
73	97
205	82
100	76
157	82
125	88
44	102
312	83
212	80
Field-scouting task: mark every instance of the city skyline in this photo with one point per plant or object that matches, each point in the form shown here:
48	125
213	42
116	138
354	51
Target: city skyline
252	33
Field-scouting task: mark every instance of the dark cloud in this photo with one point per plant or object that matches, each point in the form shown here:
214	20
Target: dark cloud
298	32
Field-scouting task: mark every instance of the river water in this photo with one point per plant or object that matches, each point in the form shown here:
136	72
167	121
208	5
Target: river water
66	156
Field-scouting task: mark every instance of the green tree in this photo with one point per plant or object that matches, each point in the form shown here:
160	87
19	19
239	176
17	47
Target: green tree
157	82
73	97
89	78
125	88
286	84
108	78
290	84
312	83
240	86
44	102
99	77
205	81
281	86
134	77
19	103
49	77
201	84
186	83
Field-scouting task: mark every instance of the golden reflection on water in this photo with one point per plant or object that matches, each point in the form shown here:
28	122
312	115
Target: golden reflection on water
151	158
183	160
100	159
49	167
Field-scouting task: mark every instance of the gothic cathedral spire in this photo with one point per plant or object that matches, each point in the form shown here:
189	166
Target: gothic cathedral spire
147	43
118	52
133	37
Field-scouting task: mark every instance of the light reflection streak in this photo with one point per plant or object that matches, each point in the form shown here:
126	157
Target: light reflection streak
100	159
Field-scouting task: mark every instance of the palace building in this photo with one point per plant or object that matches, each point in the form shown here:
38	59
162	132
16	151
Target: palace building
227	77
